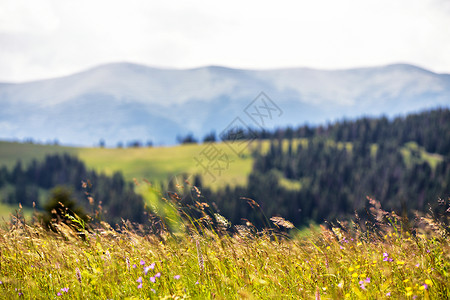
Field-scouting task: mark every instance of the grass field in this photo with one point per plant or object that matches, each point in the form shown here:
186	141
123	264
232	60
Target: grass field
207	263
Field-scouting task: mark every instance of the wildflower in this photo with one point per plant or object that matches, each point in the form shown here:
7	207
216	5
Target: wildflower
78	273
354	275
409	293
177	277
152	279
157	275
388	294
417	265
146	269
139	286
142	262
59	294
154	292
428	281
197	282
400	262
134	266
199	256
65	290
367	279
340	285
423	287
139	280
361	285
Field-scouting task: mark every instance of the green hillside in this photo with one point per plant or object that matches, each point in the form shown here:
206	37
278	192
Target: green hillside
155	164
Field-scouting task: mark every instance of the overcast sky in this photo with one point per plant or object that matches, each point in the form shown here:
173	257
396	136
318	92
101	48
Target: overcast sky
48	38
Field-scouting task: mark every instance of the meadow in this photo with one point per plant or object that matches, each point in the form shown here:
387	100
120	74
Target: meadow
388	258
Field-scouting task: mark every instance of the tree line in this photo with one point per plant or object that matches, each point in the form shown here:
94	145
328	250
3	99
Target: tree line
112	196
331	172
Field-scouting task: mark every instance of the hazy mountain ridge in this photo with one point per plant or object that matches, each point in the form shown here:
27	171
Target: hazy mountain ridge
124	101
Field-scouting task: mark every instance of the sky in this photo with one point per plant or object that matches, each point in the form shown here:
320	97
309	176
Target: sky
50	38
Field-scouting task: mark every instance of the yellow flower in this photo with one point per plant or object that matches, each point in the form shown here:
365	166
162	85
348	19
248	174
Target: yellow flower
428	281
400	262
408	288
409	293
421	287
406	280
354	275
351	269
328	247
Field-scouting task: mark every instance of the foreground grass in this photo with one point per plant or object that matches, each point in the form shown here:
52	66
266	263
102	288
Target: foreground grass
111	265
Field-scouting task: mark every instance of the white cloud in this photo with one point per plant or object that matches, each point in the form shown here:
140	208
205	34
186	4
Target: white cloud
46	38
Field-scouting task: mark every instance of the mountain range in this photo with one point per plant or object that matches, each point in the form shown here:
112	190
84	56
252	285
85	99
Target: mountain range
122	102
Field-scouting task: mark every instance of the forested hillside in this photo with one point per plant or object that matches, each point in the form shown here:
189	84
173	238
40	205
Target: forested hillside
305	174
112	196
327	172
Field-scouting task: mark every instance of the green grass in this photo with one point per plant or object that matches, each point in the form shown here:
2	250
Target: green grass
387	264
11	152
154	164
7	209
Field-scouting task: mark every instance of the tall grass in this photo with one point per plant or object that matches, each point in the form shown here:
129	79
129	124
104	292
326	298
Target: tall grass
387	257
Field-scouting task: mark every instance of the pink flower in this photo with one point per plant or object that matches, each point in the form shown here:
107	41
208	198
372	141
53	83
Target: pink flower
177	277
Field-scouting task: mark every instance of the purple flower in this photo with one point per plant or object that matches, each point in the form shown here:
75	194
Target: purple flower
388	294
361	285
158	275
153	291
142	262
152	279
385	254
146	269
425	286
367	279
177	277
139	280
59	294
197	282
417	265
139	286
152	266
65	290
134	266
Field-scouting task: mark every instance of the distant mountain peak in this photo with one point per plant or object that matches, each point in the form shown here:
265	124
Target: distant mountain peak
126	101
